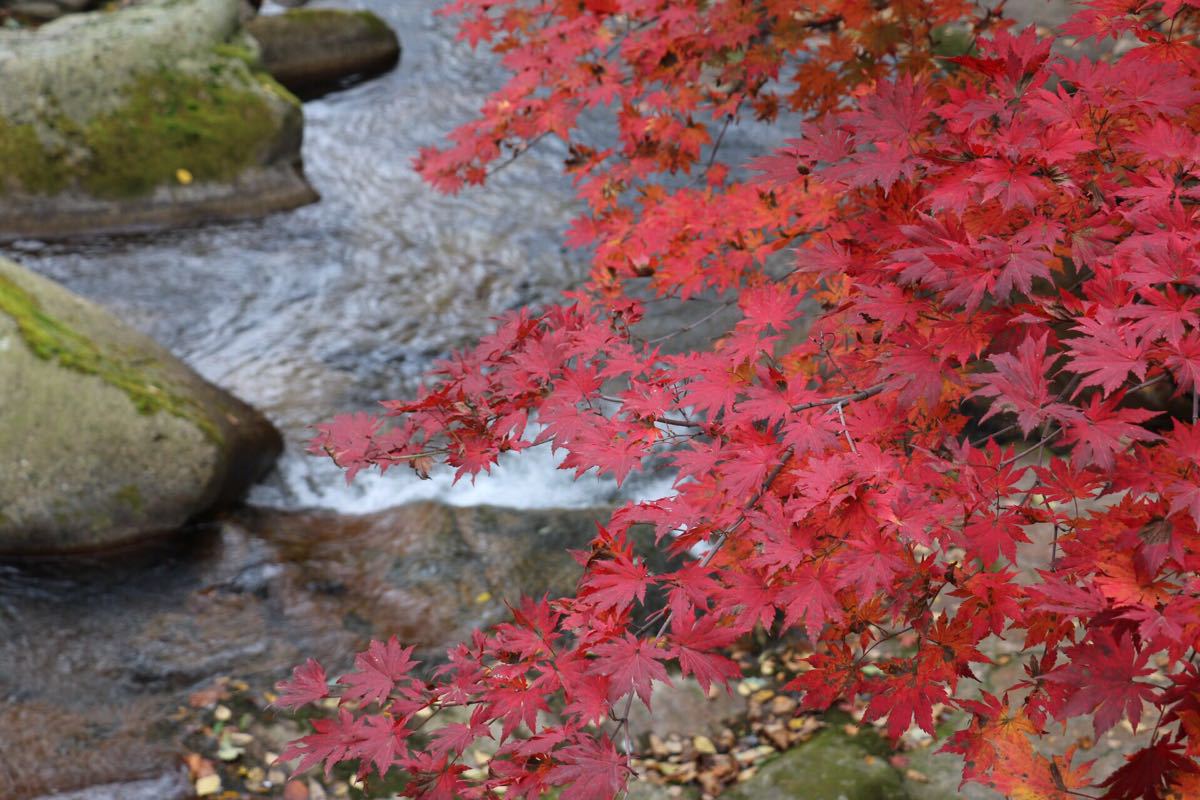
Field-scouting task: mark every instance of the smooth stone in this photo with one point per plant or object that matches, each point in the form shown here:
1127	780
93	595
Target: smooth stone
831	766
36	10
169	786
311	51
684	709
108	437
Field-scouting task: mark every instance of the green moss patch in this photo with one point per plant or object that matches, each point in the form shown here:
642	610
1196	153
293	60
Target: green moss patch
52	340
211	126
171	122
131	497
325	17
27	163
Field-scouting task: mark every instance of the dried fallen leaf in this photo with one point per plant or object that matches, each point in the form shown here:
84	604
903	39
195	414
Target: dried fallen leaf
916	776
208	785
295	790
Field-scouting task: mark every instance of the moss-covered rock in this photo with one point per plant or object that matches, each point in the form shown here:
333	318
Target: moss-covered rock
106	436
152	116
312	51
832	766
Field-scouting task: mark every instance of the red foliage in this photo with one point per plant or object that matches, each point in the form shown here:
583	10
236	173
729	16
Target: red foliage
1001	234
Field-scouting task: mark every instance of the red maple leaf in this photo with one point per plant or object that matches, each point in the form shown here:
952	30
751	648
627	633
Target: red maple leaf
906	699
376	671
809	595
1101	679
1106	353
694	642
1150	772
1020	385
632	665
591	769
330	742
308	683
1104	430
615	582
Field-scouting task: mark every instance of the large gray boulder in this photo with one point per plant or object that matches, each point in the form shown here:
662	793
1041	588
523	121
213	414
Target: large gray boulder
311	51
105	436
152	116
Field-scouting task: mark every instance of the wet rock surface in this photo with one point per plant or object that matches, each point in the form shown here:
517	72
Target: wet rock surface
107	437
313	51
39	11
151	116
99	653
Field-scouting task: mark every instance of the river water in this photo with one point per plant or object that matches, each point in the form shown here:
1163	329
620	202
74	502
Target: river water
343	303
326	309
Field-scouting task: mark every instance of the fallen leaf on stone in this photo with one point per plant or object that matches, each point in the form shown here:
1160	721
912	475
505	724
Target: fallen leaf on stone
208	785
203	698
228	751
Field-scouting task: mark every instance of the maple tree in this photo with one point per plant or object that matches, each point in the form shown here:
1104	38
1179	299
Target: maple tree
987	328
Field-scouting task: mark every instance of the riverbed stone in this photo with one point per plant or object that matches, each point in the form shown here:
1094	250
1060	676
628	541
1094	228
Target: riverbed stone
432	573
151	116
99	653
45	10
831	766
311	51
106	436
35	11
685	709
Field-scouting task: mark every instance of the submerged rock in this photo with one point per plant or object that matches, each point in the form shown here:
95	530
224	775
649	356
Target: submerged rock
152	116
42	10
427	572
106	436
311	51
100	652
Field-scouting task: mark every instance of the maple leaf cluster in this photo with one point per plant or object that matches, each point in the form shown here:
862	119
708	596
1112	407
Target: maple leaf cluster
965	411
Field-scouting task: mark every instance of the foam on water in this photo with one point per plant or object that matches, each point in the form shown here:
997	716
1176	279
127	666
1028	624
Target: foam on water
530	479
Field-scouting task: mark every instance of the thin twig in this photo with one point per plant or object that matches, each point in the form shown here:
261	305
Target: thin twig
692	325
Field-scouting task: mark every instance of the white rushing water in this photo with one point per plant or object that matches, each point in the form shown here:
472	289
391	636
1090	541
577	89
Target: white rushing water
520	480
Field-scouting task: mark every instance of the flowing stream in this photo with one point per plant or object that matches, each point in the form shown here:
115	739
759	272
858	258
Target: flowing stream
344	303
